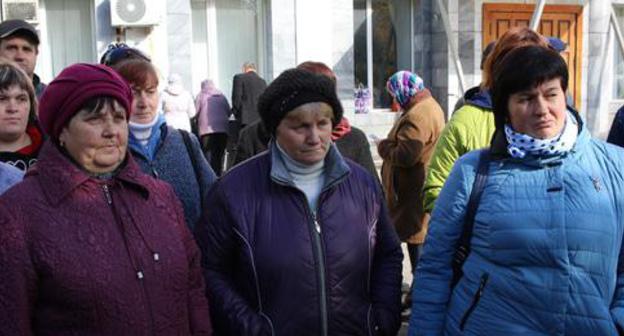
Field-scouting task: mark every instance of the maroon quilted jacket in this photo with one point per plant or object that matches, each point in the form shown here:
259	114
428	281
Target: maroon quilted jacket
83	256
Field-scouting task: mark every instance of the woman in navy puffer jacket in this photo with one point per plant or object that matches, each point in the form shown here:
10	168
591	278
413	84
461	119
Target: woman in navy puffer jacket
546	247
297	241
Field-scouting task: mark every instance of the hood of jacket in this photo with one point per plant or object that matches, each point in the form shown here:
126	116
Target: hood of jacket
479	98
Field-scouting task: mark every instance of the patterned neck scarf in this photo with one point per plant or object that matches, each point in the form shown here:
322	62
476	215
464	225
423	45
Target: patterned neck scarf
522	144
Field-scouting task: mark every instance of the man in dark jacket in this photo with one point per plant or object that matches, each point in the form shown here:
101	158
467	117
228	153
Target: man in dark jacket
246	89
19	42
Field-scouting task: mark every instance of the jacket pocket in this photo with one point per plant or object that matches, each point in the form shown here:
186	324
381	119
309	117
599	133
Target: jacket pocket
475	301
268	319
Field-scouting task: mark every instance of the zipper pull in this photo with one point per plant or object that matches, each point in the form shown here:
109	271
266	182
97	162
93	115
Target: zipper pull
109	199
596	182
316	224
484	279
154	171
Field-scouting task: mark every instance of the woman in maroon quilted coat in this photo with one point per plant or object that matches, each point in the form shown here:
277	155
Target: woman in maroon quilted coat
89	245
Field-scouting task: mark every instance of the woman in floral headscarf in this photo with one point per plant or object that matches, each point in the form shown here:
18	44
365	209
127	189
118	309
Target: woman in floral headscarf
406	153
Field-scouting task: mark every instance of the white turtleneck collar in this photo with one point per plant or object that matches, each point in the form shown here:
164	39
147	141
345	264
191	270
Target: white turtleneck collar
142	132
310	179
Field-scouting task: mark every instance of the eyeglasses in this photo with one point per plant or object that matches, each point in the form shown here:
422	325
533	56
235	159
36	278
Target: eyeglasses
118	52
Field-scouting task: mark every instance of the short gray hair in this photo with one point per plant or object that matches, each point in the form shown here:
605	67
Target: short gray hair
249	65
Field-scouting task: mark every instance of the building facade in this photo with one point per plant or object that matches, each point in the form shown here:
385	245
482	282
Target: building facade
364	41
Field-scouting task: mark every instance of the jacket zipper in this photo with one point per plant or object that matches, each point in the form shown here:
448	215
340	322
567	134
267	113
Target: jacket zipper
371	327
139	272
475	301
368	319
109	199
315	233
316	236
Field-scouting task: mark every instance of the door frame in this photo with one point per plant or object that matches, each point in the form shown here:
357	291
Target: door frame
490	8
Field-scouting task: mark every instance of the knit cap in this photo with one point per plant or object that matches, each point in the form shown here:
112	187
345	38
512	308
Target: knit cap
73	87
404	85
293	88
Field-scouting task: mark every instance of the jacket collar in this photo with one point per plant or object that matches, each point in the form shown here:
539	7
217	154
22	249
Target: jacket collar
418	98
60	176
336	168
479	98
498	146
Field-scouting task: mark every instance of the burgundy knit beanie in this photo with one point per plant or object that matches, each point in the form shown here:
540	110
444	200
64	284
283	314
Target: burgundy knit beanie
73	87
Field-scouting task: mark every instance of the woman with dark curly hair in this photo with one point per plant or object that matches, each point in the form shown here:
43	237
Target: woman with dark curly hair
545	253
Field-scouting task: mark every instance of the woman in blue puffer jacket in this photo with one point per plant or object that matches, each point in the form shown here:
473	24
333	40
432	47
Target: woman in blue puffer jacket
546	245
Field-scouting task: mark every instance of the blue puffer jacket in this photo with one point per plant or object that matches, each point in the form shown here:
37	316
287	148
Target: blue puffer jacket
546	247
270	272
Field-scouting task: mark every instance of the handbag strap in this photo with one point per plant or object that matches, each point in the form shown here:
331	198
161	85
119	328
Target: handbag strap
475	196
189	149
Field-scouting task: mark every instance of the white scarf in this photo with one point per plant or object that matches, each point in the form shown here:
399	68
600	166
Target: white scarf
522	144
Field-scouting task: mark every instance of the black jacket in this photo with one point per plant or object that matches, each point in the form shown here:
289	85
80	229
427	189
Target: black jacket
246	89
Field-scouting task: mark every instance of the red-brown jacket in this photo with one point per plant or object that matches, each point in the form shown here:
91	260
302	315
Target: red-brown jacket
87	256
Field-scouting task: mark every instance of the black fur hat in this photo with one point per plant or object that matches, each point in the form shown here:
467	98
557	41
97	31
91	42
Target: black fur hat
293	88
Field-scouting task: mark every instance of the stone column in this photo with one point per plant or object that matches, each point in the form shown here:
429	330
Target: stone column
598	96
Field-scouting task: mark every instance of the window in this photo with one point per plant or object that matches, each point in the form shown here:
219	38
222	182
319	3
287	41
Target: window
67	44
618	59
382	44
226	34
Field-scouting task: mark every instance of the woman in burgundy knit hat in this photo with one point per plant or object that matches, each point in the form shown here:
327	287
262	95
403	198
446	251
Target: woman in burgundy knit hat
89	245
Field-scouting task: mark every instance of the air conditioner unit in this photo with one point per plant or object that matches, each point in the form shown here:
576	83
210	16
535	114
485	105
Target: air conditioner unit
133	13
27	10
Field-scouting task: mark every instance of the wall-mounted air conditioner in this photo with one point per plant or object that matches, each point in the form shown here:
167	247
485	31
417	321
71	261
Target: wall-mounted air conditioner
27	10
133	13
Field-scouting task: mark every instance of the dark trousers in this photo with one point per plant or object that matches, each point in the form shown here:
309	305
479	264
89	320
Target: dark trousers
213	145
234	127
414	251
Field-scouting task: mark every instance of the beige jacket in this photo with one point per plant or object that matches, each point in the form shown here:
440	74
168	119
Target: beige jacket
406	154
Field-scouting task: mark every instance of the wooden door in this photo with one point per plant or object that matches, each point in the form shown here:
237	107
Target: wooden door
562	21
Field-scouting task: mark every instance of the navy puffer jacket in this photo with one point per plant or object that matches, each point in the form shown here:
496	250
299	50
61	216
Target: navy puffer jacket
270	271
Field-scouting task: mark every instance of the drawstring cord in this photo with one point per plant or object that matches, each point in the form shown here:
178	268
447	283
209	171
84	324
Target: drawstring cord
155	254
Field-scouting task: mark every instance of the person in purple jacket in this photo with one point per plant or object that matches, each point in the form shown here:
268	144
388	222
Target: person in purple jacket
213	111
89	245
297	240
